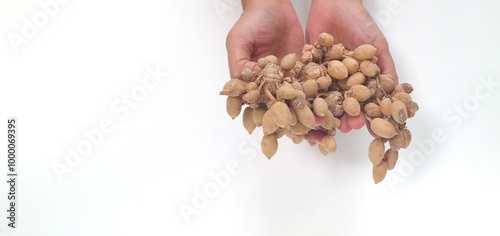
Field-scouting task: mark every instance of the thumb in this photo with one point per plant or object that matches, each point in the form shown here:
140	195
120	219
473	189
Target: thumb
239	49
385	61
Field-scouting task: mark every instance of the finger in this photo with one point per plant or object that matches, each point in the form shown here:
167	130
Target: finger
385	61
371	131
344	125
314	136
319	120
311	29
239	49
356	122
314	30
317	20
312	34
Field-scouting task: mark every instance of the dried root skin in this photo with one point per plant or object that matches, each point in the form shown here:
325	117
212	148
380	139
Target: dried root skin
305	100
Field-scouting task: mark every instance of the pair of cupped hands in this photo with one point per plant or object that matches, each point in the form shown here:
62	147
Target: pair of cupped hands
271	27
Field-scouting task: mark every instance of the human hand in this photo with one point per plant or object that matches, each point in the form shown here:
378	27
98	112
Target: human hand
266	27
350	24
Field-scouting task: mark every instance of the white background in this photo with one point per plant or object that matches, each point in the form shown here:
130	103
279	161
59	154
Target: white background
63	81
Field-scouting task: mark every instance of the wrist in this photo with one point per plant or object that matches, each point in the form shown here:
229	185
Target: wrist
337	3
250	3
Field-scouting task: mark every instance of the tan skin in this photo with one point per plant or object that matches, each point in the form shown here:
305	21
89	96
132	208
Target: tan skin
266	27
272	27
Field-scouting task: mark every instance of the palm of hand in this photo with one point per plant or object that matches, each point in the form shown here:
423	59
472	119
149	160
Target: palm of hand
351	25
261	31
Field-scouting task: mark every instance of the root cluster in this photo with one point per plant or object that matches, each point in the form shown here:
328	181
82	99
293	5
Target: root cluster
294	98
